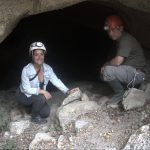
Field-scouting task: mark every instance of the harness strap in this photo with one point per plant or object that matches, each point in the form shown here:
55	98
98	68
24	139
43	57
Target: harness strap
35	75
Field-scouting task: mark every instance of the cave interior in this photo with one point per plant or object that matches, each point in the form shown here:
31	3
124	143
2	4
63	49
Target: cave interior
77	46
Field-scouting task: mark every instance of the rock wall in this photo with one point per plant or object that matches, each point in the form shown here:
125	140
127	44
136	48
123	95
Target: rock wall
136	13
12	11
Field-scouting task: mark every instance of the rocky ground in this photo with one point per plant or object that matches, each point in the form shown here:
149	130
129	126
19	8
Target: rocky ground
97	127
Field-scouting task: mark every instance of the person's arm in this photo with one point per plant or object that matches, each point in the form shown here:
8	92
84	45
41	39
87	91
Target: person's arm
116	61
25	83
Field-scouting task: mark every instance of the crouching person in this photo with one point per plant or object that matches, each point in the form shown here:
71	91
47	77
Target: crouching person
128	66
34	79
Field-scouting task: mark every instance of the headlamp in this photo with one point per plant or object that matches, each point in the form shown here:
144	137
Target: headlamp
38	44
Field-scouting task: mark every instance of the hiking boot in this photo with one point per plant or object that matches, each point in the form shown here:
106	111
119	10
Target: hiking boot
38	120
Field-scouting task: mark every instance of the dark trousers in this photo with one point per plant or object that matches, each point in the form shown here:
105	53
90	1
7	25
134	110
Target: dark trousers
37	103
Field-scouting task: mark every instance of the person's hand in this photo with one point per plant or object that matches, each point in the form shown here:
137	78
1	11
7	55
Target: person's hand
46	94
72	91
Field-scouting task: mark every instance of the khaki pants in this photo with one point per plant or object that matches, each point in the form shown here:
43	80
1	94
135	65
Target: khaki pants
125	74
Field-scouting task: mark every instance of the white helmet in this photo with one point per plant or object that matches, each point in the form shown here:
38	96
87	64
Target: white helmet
36	45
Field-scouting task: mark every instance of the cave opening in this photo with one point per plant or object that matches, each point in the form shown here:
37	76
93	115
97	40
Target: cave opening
74	37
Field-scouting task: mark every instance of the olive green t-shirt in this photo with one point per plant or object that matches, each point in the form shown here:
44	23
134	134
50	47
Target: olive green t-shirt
129	48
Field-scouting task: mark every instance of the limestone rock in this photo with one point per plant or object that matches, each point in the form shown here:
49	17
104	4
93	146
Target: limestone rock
18	127
133	98
140	140
42	141
63	142
83	124
12	11
84	97
7	135
147	91
70	112
72	97
15	114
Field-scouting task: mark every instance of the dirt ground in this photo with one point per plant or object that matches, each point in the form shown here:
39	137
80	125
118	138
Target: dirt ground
110	128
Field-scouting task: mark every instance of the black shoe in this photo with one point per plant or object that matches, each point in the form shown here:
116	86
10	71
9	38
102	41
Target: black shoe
38	120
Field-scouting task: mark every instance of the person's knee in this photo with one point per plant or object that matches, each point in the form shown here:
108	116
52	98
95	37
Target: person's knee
108	73
39	99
